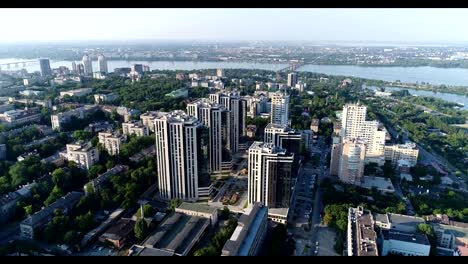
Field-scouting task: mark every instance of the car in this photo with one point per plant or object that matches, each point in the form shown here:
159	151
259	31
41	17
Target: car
316	243
100	248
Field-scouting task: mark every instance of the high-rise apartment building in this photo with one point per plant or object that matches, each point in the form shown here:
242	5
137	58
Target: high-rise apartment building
352	120
354	125
220	73
351	165
74	68
182	157
45	67
102	64
270	178
214	116
87	65
283	136
292	79
279	108
80	69
237	108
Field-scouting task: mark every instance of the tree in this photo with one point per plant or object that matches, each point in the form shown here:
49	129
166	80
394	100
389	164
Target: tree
148	210
225	213
70	238
174	204
110	164
141	229
85	222
59	177
28	209
95	170
54	195
205	252
81	135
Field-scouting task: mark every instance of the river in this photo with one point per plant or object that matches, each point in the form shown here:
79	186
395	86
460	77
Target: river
447	76
455	98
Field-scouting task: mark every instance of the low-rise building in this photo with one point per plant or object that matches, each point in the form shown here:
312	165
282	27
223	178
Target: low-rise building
105	98
403	243
111	142
178	234
248	237
198	209
119	233
44	216
278	215
314	125
59	119
2	151
8	201
30	93
398	222
147	119
77	92
362	239
251	129
20	117
95	184
134	127
382	184
83	154
407	151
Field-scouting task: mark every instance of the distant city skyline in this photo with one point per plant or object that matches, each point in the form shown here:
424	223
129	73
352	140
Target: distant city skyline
319	25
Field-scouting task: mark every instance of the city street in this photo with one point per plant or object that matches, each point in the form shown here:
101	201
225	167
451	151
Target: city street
319	239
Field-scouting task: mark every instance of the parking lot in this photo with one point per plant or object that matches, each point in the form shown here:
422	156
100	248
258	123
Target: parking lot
97	250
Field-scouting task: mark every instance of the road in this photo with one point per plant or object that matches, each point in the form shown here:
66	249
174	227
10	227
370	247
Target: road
316	217
399	192
428	157
306	239
9	232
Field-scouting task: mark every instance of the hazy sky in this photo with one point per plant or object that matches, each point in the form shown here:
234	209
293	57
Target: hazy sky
409	25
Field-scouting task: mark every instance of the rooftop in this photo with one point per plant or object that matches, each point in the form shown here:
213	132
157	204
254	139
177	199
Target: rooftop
381	183
246	231
178	116
278	211
269	148
66	201
137	250
197	207
120	229
417	238
364	237
177	233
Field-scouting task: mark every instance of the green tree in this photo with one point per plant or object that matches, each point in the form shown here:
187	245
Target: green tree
208	251
148	210
70	238
54	195
225	213
28	209
81	135
85	222
140	229
95	170
174	204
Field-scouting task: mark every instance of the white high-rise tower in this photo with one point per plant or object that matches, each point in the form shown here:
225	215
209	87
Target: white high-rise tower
102	63
88	65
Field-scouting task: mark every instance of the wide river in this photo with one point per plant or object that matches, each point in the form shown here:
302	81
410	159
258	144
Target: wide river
447	76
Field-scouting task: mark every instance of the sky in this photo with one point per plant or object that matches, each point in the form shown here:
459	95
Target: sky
379	25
